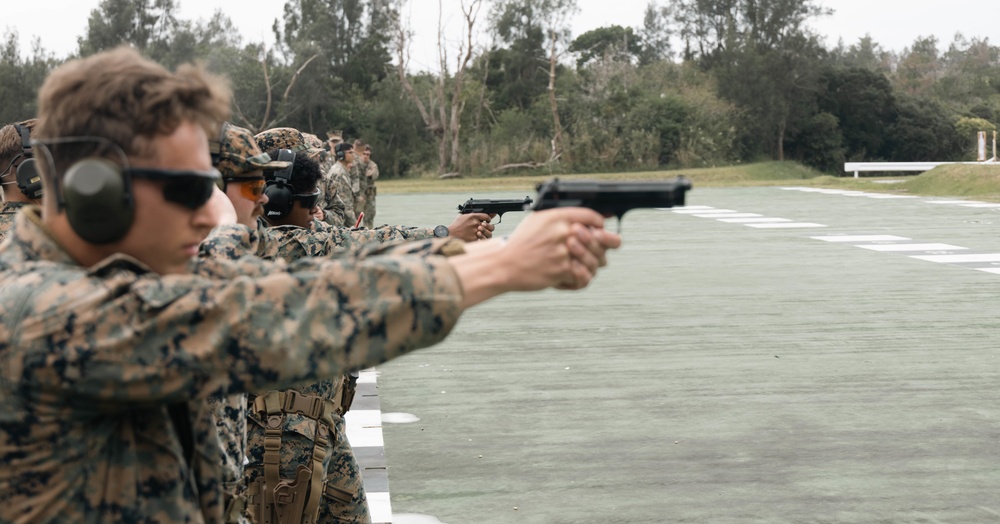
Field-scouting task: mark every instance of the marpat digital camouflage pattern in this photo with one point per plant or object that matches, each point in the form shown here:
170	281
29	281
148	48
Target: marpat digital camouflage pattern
8	210
103	370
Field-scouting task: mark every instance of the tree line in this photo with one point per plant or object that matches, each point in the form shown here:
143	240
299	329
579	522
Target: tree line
701	82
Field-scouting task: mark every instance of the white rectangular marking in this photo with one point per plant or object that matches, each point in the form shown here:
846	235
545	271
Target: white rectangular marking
957	259
911	247
994	270
380	507
789	225
691	211
761	220
728	215
891	196
368	376
982	204
860	238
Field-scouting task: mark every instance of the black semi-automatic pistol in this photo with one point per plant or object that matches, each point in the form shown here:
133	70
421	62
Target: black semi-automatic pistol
611	198
493	207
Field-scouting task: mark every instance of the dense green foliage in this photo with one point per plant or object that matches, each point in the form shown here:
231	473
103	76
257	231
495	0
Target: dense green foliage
700	83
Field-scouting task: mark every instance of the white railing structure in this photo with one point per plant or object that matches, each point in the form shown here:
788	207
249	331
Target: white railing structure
857	167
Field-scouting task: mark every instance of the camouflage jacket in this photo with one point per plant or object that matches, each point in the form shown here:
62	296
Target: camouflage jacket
290	243
359	182
99	366
337	201
8	210
371	173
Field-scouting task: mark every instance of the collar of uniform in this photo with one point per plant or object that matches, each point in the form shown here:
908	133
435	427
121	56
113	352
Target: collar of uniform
9	208
40	244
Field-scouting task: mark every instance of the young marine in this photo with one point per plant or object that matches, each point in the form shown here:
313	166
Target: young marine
313	442
337	202
112	334
371	174
21	183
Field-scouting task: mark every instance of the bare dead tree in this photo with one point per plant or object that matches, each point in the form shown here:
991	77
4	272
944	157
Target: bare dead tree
266	122
442	111
555	14
429	116
457	100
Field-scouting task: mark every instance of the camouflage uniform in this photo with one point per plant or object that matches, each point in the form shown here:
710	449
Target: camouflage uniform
337	201
371	175
359	184
236	155
8	210
95	361
298	434
339	473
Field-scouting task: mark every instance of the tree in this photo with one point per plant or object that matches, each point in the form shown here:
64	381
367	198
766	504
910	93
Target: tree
22	77
442	111
919	67
555	14
865	54
765	59
924	132
864	106
146	24
516	76
656	33
613	43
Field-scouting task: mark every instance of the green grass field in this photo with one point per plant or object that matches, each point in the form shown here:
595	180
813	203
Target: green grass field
980	182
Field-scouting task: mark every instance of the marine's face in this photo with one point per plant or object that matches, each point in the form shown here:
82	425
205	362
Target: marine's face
304	208
165	235
248	198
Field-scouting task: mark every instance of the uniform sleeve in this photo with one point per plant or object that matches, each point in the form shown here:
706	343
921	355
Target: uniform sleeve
115	337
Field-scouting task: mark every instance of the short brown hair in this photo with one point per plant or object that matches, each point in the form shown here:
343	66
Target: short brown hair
127	99
11	144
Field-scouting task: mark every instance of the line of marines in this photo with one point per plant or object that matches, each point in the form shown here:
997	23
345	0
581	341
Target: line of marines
221	393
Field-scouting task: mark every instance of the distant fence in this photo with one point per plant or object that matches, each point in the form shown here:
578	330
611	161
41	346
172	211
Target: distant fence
889	167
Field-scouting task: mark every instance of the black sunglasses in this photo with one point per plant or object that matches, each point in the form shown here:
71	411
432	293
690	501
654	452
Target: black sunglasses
307	200
190	189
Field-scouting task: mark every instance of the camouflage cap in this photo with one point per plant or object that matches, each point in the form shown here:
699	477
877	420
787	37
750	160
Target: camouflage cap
289	138
316	150
236	154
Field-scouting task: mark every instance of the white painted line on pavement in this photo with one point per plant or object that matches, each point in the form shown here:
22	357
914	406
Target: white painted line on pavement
692	211
959	259
789	225
910	247
727	215
984	205
860	238
761	220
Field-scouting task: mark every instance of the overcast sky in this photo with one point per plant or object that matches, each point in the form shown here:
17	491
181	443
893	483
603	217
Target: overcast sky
894	24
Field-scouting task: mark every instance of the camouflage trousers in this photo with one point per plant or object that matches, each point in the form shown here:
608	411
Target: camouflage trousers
369	220
344	499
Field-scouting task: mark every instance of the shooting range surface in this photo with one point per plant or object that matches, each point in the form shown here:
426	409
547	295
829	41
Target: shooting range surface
721	369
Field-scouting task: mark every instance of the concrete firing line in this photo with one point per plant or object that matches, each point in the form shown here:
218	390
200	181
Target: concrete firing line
928	251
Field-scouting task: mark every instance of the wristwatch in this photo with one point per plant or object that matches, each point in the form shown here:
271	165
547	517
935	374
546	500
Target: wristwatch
441	231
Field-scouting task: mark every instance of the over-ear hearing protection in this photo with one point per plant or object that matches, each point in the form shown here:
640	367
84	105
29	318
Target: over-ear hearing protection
340	150
279	190
28	179
96	194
